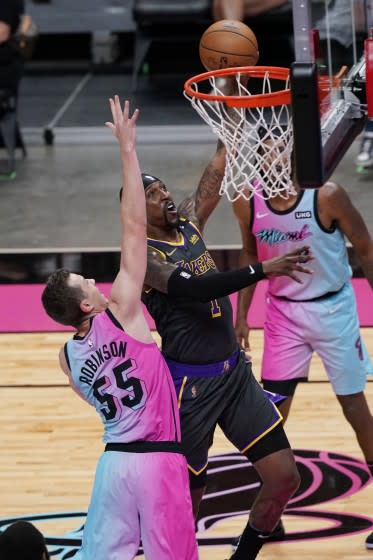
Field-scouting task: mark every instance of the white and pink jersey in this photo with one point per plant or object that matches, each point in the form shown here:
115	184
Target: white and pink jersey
127	381
278	232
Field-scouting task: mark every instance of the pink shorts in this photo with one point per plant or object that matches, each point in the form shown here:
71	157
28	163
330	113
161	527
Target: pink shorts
329	327
140	495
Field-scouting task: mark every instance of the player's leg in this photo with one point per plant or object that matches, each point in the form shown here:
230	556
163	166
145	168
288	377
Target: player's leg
280	480
201	403
198	487
285	388
346	362
111	530
365	155
356	411
286	354
253	424
166	518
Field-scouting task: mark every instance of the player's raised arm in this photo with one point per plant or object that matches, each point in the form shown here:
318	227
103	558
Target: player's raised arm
125	298
199	205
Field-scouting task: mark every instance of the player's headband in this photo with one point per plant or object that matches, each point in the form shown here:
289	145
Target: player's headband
148	179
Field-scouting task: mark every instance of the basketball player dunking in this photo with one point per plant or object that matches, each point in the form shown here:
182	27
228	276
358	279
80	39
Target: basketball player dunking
320	315
141	483
186	297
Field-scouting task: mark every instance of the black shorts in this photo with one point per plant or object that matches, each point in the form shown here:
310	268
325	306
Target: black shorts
236	402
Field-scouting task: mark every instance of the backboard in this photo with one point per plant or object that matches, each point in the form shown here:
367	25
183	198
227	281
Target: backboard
331	82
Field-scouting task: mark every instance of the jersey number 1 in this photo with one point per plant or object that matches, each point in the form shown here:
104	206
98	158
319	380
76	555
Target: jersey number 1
215	309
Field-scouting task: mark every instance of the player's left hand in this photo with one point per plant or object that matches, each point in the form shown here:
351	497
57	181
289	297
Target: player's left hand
289	263
123	126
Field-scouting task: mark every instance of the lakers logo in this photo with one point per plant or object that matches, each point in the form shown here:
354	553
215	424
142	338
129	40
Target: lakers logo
225	367
193	239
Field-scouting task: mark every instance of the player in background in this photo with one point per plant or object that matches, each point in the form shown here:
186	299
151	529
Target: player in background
318	315
112	362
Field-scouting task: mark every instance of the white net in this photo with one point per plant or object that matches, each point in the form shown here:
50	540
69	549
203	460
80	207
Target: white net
258	140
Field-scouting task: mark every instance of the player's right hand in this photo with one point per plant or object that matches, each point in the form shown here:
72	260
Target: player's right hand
242	334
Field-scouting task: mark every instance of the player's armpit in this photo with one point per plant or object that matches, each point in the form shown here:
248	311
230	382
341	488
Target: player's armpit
158	271
63	361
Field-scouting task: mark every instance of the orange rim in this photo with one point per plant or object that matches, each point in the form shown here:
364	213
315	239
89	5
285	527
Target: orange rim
282	97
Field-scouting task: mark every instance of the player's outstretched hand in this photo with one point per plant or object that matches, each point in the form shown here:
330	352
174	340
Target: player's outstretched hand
289	263
123	126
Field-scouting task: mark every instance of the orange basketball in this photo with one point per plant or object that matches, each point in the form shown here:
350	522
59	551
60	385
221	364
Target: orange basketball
226	44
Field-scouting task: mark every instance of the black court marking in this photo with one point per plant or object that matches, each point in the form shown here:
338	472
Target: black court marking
231	490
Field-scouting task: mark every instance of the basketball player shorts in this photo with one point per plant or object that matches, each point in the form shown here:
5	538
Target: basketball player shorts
140	495
233	400
329	327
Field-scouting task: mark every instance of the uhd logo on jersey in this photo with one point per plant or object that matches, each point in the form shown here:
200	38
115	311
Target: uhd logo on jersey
303	215
194	238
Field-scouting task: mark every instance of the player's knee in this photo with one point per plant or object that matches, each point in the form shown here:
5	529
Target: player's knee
291	480
283	484
353	406
287	477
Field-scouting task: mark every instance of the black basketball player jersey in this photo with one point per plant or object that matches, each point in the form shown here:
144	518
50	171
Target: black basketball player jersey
192	332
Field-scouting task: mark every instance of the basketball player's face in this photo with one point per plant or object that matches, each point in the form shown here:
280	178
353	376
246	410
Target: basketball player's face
274	159
88	286
160	208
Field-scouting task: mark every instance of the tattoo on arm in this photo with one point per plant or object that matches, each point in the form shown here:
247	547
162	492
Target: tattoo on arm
207	193
187	208
158	271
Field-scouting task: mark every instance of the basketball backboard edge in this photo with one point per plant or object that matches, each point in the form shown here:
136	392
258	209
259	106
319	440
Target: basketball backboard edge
326	119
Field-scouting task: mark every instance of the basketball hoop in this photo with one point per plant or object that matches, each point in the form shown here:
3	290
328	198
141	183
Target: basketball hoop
254	127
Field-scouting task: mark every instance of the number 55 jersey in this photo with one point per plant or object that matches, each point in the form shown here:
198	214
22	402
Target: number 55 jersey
127	381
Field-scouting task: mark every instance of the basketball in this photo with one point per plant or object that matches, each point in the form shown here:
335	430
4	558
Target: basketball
226	44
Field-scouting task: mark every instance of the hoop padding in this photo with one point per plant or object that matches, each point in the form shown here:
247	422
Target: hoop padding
255	128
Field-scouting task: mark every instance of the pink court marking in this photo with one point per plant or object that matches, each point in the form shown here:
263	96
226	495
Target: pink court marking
21	309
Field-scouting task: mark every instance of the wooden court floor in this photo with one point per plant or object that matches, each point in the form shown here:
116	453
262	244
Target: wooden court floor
50	441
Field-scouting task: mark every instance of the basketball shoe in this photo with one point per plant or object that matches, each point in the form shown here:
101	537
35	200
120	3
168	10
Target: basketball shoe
278	534
365	156
369	541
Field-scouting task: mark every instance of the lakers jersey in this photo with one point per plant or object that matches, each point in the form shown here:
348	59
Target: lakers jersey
192	332
278	232
127	381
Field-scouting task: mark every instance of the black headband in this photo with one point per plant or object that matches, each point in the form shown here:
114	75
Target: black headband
148	179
